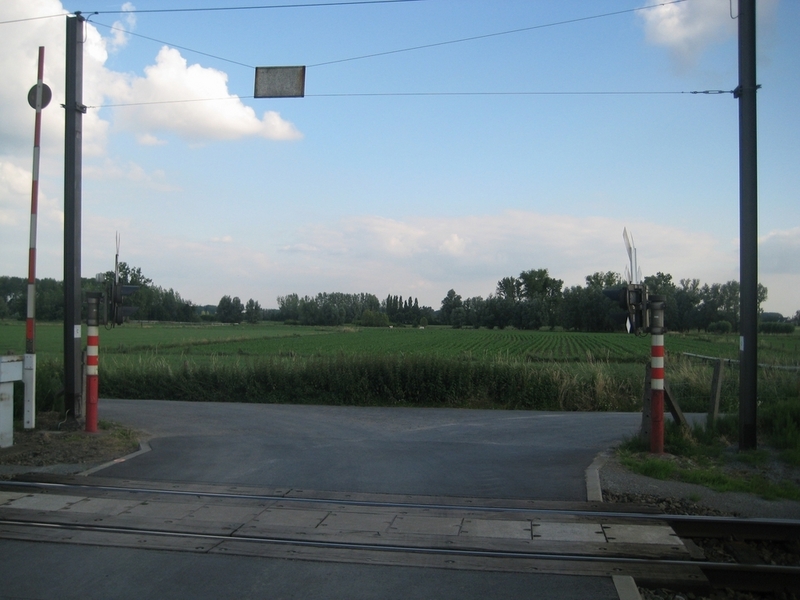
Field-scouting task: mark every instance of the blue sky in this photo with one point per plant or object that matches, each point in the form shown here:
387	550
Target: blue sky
405	194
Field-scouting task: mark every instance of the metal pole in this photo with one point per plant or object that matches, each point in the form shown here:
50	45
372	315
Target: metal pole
73	132
748	225
92	358
657	305
29	362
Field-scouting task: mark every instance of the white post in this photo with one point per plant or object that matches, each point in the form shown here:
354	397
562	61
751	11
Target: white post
29	381
10	371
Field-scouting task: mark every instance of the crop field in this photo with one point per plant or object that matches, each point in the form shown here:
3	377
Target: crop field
434	366
203	342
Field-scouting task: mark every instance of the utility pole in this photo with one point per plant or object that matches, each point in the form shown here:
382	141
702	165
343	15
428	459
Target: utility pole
748	225
73	143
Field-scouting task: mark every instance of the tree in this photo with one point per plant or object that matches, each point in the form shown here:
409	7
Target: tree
289	307
450	302
544	292
600	280
687	302
509	288
252	312
371	318
229	310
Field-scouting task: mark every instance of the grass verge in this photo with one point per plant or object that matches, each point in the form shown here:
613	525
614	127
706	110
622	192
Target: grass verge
706	456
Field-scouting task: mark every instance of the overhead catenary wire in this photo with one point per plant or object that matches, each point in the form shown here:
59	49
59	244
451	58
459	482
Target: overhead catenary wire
408	49
498	33
152	39
239	8
216	9
386	52
425	94
32	18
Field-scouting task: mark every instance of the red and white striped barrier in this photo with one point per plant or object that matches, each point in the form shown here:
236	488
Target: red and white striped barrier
657	304
29	362
92	364
657	398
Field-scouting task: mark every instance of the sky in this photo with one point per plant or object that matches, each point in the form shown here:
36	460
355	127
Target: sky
416	163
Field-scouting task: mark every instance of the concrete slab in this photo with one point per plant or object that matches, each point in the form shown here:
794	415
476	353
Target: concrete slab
8	496
240	514
162	510
642	534
44	502
568	532
287	517
101	506
357	522
426	525
496	528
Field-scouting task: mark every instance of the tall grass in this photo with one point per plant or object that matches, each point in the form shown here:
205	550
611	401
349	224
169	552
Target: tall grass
389	380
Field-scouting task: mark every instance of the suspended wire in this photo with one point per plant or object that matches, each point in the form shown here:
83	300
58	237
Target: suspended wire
228	60
497	34
267	6
31	19
424	94
586	93
388	52
125	104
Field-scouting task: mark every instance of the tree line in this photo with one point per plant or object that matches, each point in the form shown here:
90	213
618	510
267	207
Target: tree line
535	300
532	300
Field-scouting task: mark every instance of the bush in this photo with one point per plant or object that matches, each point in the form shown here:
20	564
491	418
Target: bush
772	327
371	318
781	422
719	327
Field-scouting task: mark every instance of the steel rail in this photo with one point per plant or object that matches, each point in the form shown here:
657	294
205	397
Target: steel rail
742	576
685	525
288	541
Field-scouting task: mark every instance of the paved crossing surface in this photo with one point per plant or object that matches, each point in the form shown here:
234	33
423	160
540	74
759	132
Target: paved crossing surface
484	455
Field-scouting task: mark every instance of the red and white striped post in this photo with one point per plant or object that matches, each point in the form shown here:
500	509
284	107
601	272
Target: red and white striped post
92	359
38	98
657	304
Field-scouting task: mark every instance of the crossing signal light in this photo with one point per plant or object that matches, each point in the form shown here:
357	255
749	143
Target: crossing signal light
632	298
118	293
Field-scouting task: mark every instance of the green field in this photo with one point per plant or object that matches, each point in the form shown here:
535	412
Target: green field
402	366
201	342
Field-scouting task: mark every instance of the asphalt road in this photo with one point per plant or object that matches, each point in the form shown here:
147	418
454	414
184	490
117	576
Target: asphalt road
491	454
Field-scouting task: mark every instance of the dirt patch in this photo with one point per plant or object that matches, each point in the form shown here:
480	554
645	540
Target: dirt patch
55	441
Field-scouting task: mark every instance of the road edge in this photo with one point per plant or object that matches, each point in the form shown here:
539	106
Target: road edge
143	448
625	585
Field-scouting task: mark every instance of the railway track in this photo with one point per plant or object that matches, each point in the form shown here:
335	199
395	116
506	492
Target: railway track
457	533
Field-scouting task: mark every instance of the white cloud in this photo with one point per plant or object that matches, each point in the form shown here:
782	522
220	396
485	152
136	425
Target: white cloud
688	28
454	245
119	35
171	78
779	252
14	184
472	253
131	172
148	139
